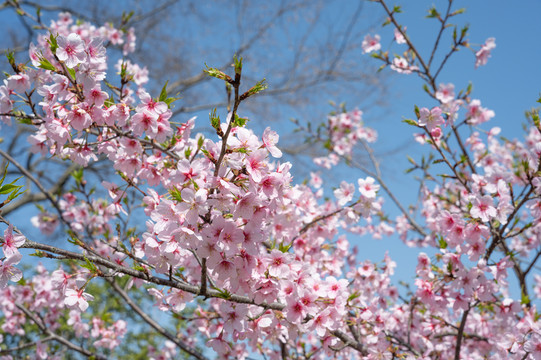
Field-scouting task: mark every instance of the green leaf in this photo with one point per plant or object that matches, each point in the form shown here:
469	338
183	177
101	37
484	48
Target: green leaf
45	64
214	119
127	17
163	93
8	188
5	173
109	102
464	31
258	87
78	175
175	194
416	110
223	294
407	171
432	13
138	268
200	141
11	58
171	100
216	73
239	122
71	72
442	243
355	295
90	266
237	62
25	121
524	299
458	11
284	248
52	42
411	122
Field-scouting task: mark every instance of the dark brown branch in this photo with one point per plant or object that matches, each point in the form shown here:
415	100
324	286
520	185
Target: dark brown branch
181	344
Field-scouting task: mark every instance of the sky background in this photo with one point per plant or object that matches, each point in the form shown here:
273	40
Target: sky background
509	84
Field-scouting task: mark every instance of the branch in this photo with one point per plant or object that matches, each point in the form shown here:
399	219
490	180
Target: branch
58	338
460	333
28	244
181	344
34	198
26	173
25	346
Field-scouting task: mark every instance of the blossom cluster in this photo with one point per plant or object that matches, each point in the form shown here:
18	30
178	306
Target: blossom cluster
260	263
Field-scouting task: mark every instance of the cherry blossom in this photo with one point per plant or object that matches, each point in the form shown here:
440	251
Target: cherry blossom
77	298
11	242
481	56
71	50
371	43
8	272
398	37
431	118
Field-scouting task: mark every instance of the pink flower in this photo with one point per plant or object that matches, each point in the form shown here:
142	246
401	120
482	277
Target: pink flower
482	208
41	350
96	51
481	56
46	222
295	310
255	164
278	264
18	83
77	298
6	104
336	287
445	93
59	279
96	96
194	203
398	37
401	65
8	272
12	242
367	188
431	118
345	193
371	44
436	133
321	322
177	299
71	50
79	119
270	138
533	346
477	114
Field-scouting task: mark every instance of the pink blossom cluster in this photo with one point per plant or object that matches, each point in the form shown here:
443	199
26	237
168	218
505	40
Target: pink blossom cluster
345	130
240	217
55	299
224	223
